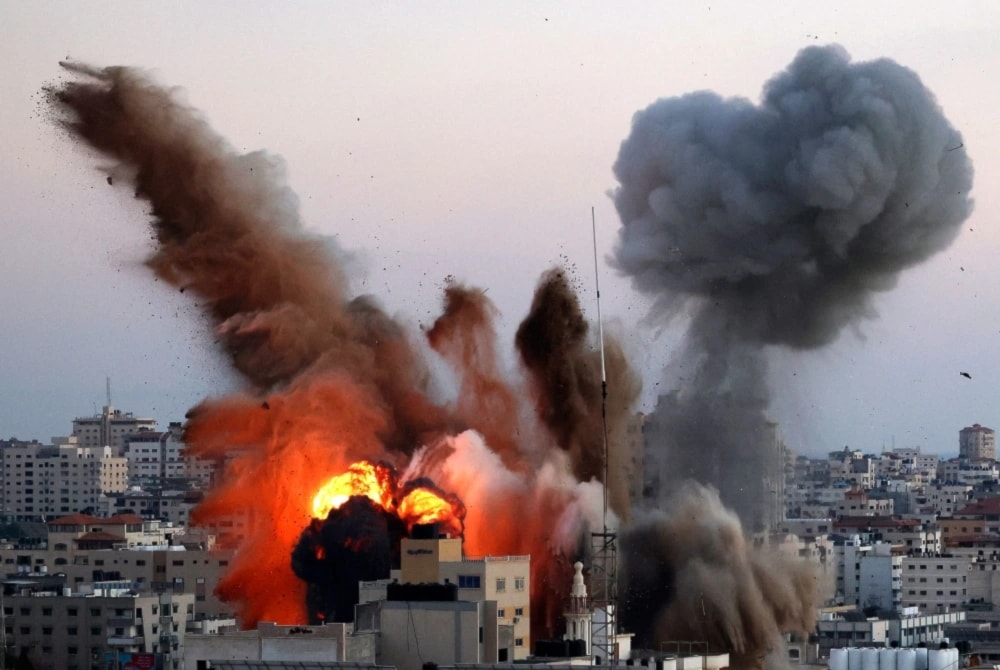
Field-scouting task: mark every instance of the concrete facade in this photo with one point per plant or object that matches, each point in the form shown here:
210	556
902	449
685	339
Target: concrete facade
977	443
269	642
46	481
505	580
109	428
935	584
72	631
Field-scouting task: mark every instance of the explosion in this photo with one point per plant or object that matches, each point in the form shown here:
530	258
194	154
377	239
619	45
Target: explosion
416	502
777	223
360	517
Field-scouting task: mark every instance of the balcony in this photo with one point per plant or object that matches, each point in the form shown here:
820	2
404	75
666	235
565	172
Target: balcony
125	620
126	641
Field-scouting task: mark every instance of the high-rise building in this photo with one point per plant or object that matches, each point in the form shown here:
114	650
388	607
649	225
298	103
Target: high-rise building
45	481
109	428
977	443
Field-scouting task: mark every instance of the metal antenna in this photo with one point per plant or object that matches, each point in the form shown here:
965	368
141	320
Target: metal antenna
604	545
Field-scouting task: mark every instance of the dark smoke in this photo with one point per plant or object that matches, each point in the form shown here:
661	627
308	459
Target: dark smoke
564	368
359	541
770	224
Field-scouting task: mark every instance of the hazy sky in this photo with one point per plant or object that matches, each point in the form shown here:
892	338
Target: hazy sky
464	139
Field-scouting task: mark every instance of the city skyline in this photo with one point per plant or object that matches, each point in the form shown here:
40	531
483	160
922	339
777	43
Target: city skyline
440	141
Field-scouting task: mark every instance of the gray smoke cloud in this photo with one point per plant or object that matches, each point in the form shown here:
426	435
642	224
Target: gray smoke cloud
769	224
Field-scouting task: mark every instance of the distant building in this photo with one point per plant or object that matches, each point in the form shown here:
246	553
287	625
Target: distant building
967	472
126	548
936	583
45	481
869	575
857	503
839	628
977	443
109	428
159	460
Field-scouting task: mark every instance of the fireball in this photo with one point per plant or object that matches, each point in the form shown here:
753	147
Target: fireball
416	502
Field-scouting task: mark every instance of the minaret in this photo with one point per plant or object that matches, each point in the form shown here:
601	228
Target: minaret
578	615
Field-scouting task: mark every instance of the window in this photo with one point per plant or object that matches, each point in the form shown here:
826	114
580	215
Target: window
518	641
501	613
501	584
519	583
518	611
469	582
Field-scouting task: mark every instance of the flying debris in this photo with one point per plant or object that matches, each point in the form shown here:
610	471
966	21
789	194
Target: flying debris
966	375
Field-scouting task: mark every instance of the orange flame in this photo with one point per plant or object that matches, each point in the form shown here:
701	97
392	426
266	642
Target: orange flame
413	504
372	481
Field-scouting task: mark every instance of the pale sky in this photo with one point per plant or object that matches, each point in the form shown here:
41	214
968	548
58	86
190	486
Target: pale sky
465	139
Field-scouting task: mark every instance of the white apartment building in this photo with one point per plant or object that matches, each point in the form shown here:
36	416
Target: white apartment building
966	472
941	499
45	481
869	575
936	583
109	428
155	456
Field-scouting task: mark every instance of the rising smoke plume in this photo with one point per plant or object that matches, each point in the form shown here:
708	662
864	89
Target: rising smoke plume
331	379
721	589
770	224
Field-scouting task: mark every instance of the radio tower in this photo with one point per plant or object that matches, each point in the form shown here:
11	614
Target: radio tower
603	545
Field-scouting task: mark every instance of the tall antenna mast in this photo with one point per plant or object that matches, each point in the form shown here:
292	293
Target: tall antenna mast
107	388
604	376
604	545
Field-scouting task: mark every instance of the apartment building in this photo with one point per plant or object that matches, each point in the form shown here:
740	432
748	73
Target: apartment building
110	428
869	575
45	481
60	628
977	443
125	548
936	583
